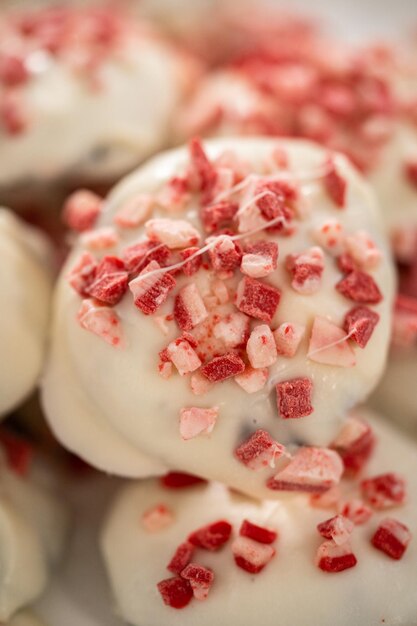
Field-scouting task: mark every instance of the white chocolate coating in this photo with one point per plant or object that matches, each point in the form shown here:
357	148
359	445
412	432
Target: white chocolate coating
33	527
82	131
116	397
291	589
25	284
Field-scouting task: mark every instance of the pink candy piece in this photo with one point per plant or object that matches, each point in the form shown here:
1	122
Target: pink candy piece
329	345
294	398
288	337
83	273
101	321
223	367
134	212
355	444
183	555
150	292
192	265
257	299
332	558
100	238
219	215
211	537
306	270
195	421
199	384
331	237
202	172
201	579
260	259
183	356
338	528
252	380
360	323
157	518
360	287
363	250
259	451
327	500
173	233
81	210
110	283
225	255
392	537
261	348
251	555
189	308
311	469
384	491
335	185
357	511
232	330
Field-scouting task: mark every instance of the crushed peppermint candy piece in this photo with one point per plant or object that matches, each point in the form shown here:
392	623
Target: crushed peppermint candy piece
360	323
157	518
220	290
172	233
363	250
335	185
199	384
329	346
355	444
182	354
257	299
83	273
288	337
219	215
165	370
191	265
100	238
311	469
202	171
357	511
150	292
257	533
225	255
211	537
294	398
195	421
259	451
251	555
327	500
136	256
274	203
101	321
134	212
260	259
233	330
81	210
176	592
410	170
333	558
360	287
330	236
201	579
392	537
306	270
182	556
189	308
384	491
338	528
180	480
252	380
261	348
110	283
174	195
223	367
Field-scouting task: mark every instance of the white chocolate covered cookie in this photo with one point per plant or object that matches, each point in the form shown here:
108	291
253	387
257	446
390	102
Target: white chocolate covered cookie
223	300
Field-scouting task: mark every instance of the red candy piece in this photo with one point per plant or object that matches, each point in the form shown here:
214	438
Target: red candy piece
189	308
225	255
219	215
306	270
294	398
345	263
257	299
259	451
338	528
384	491
250	555
355	445
183	555
81	210
211	537
274	204
335	185
151	292
19	453
332	558
223	367
110	282
201	579
176	592
360	287
392	537
193	265
410	170
140	254
180	480
83	274
312	470
360	323
257	533
202	170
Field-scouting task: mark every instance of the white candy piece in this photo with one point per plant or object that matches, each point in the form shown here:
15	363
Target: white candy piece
25	287
295	588
92	391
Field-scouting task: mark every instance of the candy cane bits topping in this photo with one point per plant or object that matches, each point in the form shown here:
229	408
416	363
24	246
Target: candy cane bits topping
233	330
288	337
259	451
217	216
252	380
329	345
211	537
150	292
363	250
257	533
83	274
260	259
257	299
223	367
134	212
195	421
81	210
261	348
332	558
183	555
311	470
360	287
355	444
201	579
251	555
225	255
189	308
357	511
338	528
158	518
360	323
182	354
176	592
110	282
392	537
192	266
101	321
384	491
202	172
294	398
172	233
335	185
330	236
306	270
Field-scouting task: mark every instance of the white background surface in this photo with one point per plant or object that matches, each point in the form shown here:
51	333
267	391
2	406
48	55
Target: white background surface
79	595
